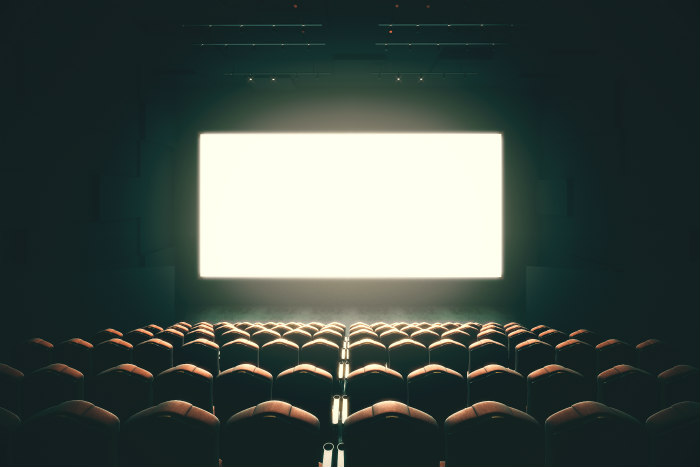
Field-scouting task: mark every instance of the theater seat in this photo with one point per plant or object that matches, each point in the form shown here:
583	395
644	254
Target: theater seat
330	334
578	356
172	433
590	433
11	388
49	386
298	336
75	433
554	388
105	335
279	355
199	333
425	337
230	335
203	353
514	338
33	354
263	336
77	354
552	337
486	352
491	433
437	390
451	354
185	382
673	435
532	355
273	433
630	390
407	355
154	355
614	352
391	335
494	334
373	383
240	387
460	335
321	353
110	353
589	337
237	352
391	433
367	351
678	384
496	383
172	337
137	336
655	356
124	390
9	424
309	388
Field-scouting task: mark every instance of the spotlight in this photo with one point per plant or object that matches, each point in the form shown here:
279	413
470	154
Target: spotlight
420	78
250	78
274	79
398	78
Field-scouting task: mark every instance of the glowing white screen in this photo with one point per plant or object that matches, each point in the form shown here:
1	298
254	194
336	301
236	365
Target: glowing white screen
350	205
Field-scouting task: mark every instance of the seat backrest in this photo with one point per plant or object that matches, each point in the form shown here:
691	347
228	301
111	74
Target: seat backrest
279	355
154	355
486	352
630	390
307	387
240	387
136	336
496	383
390	433
9	424
185	382
678	384
532	355
373	383
367	351
111	353
655	356
124	390
49	386
614	352
673	435
76	353
553	388
321	353
237	352
33	354
203	353
74	432
273	433
451	354
171	433
437	390
11	388
407	355
491	433
578	356
591	433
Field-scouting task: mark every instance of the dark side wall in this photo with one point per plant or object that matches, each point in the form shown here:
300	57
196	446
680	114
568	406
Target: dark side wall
98	175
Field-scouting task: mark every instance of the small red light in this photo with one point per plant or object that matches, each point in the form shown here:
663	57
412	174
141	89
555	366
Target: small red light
295	5
427	6
396	5
391	32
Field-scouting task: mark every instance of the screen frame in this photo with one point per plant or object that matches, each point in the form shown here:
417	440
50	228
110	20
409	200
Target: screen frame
270	279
